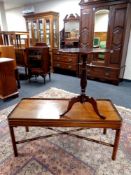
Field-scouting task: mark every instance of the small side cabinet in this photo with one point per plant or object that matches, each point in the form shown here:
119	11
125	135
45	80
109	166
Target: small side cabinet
38	61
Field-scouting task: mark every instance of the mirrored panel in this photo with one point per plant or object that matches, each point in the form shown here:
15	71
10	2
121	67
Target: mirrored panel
100	33
70	34
101	28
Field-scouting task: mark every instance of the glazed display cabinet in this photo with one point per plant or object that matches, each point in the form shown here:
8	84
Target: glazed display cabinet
43	27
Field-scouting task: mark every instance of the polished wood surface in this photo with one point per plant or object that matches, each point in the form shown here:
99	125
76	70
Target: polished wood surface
47	113
47	109
8	52
69	58
8	84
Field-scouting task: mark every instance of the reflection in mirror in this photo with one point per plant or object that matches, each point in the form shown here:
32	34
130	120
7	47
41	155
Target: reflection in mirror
101	28
72	30
70	36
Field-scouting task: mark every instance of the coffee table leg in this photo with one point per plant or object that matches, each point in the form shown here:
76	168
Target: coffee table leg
13	141
116	143
104	131
27	129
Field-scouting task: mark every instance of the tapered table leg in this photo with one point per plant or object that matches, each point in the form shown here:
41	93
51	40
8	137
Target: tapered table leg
104	131
13	141
116	143
27	129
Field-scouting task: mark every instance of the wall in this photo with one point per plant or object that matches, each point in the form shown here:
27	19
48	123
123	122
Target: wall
66	7
63	7
127	74
18	22
3	21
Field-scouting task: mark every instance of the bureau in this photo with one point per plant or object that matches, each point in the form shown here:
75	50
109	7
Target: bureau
65	61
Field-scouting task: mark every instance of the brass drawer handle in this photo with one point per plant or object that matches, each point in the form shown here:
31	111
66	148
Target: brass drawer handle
69	66
107	73
69	59
58	65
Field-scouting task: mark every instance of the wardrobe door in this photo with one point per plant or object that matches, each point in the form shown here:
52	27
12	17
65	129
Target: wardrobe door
116	33
87	28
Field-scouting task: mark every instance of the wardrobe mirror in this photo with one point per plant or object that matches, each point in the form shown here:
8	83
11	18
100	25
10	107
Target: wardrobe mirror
101	28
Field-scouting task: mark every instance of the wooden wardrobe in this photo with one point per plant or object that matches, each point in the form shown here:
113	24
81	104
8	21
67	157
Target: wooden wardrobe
112	66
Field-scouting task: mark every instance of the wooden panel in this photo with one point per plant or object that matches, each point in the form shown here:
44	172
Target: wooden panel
8	52
117	36
8	85
117	23
21	58
104	73
86	31
64	65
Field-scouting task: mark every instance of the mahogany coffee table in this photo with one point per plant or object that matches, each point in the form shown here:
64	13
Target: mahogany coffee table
41	112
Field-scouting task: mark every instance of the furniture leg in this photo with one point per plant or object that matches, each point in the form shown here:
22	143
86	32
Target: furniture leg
13	141
27	129
44	78
49	76
116	143
17	78
26	71
82	97
104	131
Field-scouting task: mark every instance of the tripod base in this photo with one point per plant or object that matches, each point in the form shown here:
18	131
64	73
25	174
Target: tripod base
83	98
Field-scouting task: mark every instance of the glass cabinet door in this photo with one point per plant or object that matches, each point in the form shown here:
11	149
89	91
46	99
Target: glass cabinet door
55	32
40	30
29	29
47	31
35	31
100	33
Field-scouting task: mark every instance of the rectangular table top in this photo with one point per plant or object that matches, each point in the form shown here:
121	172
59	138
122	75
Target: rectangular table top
46	112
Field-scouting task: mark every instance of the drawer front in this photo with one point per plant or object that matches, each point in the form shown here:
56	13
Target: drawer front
66	58
111	73
67	66
101	72
96	72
